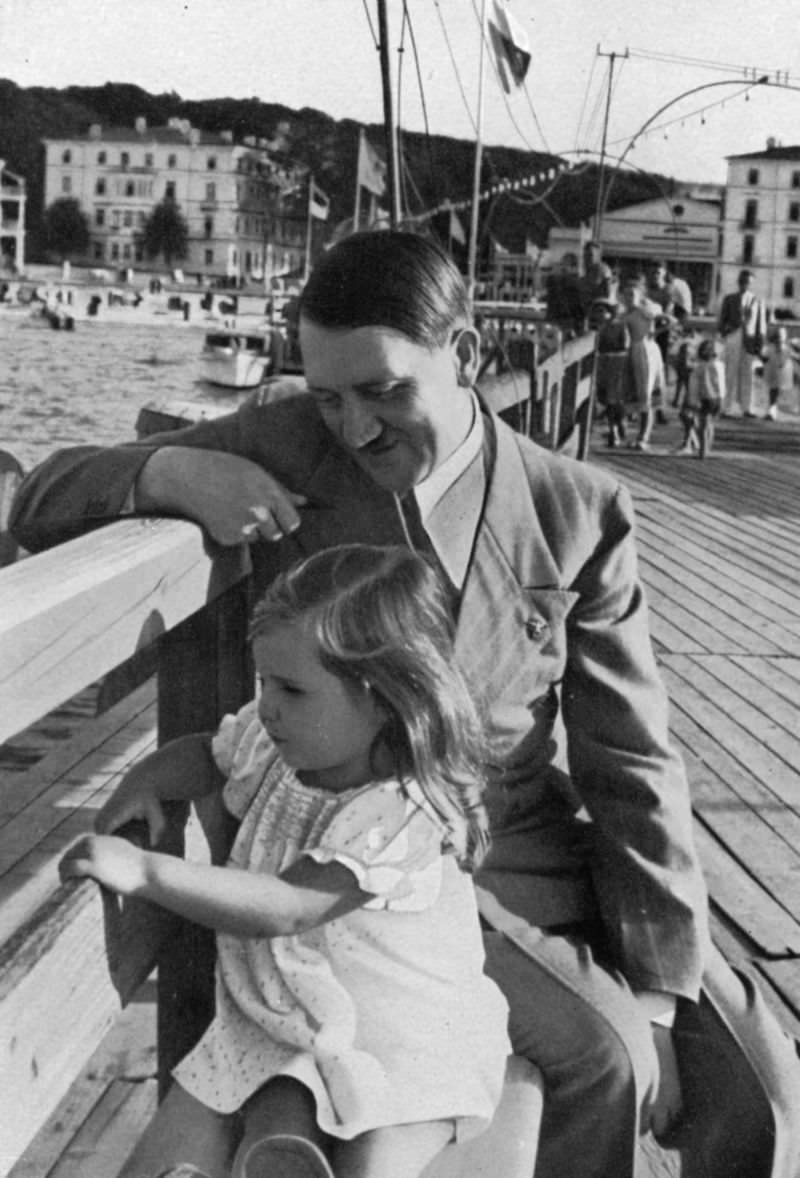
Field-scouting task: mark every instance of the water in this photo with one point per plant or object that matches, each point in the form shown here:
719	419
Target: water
64	388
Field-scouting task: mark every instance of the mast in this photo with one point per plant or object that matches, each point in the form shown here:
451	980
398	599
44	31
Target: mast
476	182
388	119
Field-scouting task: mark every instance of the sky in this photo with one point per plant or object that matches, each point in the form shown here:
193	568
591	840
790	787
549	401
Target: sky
322	54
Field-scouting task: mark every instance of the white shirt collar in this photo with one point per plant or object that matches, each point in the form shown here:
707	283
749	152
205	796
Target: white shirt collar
439	481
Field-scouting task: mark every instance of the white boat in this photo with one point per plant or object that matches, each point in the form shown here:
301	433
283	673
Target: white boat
238	359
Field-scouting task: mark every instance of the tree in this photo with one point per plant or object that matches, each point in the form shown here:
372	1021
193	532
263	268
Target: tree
66	228
165	232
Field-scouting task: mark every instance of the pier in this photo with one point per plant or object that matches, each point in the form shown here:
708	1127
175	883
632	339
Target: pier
719	544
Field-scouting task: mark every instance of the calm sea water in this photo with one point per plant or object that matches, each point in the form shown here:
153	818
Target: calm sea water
64	388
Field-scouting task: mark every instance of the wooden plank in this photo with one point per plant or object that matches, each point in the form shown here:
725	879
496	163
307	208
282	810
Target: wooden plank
63	979
127	1055
110	1132
785	977
69	615
744	901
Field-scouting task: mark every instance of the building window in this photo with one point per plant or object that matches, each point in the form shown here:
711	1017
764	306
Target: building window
141	217
130	189
794	211
114	251
208	226
795	179
748	243
211	191
99	216
209	257
100	187
127	218
791	247
148	159
66	184
115	218
788	288
124	158
169	191
211	163
101	157
752	176
66	156
98	251
126	251
750	214
172	161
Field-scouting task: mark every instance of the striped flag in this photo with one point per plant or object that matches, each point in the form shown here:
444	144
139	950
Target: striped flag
371	168
510	45
318	203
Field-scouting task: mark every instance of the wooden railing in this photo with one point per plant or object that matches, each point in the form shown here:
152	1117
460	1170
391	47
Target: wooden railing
67	617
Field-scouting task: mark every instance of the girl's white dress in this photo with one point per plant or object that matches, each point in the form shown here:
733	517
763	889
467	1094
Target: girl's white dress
385	1013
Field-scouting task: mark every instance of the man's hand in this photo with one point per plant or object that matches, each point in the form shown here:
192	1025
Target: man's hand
234	499
113	862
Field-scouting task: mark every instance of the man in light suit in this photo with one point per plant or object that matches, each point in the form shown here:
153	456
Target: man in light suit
592	897
743	326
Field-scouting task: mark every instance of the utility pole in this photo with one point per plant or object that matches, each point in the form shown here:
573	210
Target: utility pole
598	217
392	169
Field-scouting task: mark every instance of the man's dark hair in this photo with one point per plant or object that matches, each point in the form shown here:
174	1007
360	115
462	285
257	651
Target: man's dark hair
387	278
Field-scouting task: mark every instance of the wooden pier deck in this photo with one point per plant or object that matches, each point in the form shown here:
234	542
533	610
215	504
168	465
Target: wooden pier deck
719	545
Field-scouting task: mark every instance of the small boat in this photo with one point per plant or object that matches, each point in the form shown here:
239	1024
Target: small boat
239	359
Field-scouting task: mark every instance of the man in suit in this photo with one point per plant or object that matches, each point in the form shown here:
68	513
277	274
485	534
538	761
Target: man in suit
592	897
743	326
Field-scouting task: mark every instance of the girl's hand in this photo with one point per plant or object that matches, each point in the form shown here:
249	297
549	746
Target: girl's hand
113	862
126	807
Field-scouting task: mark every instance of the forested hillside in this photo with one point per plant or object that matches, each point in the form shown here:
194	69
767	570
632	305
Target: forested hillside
433	168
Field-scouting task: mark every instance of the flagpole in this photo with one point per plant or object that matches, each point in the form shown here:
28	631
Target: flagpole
357	209
307	266
476	185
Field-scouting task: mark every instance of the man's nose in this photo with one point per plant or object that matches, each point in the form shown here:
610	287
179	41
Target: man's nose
358	423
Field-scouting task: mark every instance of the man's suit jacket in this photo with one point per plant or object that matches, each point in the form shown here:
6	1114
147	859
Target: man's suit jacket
552	633
751	321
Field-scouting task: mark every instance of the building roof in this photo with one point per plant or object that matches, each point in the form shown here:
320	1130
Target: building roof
179	135
770	153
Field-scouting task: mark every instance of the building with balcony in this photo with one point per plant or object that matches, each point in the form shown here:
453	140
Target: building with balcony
12	221
231	196
761	225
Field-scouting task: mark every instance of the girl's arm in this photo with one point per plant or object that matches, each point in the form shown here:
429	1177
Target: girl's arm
182	770
227	899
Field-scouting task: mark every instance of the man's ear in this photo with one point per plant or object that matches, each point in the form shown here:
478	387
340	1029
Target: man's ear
467	354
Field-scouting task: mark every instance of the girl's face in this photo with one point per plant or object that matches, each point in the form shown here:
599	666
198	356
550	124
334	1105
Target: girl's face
323	726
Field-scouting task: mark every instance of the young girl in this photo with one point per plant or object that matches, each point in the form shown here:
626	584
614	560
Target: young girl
702	401
645	366
351	1005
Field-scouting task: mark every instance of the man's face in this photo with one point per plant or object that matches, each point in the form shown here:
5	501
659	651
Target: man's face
745	282
658	276
399	408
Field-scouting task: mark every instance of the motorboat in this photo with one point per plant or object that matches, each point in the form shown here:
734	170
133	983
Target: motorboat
238	359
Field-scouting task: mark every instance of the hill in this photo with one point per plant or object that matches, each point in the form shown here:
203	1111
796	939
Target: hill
433	168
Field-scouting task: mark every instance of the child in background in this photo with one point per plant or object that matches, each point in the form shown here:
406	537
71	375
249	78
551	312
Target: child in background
685	357
778	369
354	1024
702	401
613	342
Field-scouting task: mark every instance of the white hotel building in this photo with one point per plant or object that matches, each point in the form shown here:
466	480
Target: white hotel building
761	224
225	191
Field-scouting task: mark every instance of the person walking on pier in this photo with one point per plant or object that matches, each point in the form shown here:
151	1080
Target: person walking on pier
591	894
743	326
778	369
701	402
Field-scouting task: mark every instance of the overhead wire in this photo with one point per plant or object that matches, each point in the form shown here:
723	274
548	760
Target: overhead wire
423	103
375	40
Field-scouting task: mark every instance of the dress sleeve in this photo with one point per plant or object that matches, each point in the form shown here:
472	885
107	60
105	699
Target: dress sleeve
243	752
391	841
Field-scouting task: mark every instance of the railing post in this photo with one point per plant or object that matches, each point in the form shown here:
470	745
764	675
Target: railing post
205	670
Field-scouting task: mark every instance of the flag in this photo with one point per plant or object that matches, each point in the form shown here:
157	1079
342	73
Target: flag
510	45
371	168
318	203
498	249
456	230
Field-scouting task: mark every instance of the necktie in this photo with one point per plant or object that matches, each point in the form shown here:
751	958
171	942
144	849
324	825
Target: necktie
420	542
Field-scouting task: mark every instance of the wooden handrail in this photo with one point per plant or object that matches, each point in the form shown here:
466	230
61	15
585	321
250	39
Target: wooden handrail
70	615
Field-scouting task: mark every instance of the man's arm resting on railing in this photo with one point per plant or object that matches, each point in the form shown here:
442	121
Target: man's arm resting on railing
182	770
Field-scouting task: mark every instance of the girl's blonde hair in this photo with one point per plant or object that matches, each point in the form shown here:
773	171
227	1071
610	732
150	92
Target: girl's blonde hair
380	619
